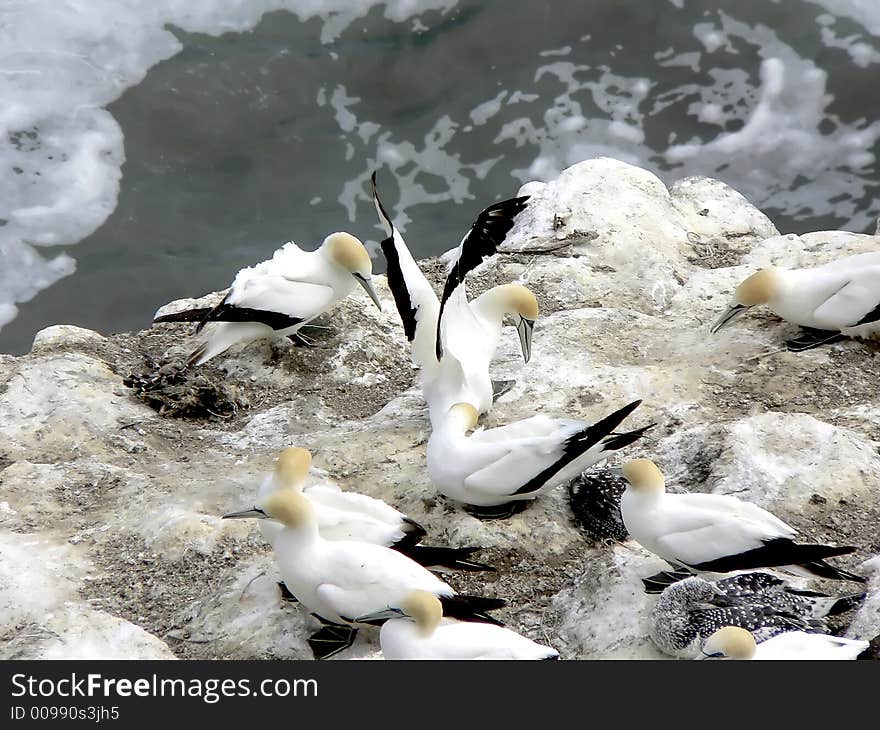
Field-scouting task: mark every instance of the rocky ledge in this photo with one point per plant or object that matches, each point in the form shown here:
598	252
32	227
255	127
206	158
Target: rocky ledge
115	468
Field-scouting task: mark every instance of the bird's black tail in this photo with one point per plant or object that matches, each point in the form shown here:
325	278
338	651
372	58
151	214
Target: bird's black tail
618	440
189	315
846	603
821	569
443	557
783	551
582	441
665	578
413	534
472	608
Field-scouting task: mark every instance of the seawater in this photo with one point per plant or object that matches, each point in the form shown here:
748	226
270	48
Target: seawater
151	149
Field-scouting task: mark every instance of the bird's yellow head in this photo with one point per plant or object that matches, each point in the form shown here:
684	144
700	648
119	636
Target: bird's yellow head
425	609
759	288
288	507
465	414
518	299
732	642
348	252
644	476
292	467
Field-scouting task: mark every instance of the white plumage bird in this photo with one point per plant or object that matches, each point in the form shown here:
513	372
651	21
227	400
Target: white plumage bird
353	516
494	471
472	328
340	580
417	629
831	302
715	533
277	297
733	642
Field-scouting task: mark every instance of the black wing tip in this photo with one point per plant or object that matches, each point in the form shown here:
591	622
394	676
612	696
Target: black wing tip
665	578
187	315
846	603
784	551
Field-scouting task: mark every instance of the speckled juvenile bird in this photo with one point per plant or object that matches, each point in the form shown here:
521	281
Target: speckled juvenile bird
594	498
690	611
832	302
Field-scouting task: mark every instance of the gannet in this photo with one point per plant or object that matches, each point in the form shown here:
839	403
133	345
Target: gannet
733	642
475	329
416	629
691	610
831	302
352	516
491	470
594	498
340	580
276	297
714	532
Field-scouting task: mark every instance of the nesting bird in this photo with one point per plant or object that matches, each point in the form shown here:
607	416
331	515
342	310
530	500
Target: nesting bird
495	471
733	642
832	302
352	516
714	532
472	329
341	580
417	629
277	297
691	610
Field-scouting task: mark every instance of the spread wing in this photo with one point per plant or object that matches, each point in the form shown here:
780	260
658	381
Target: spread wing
481	241
417	303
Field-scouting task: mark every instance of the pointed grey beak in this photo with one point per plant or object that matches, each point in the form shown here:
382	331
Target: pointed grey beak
731	312
524	329
383	615
253	513
368	287
616	471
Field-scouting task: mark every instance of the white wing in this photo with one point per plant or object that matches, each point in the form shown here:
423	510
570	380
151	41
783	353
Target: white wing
698	528
362	578
533	427
277	294
857	299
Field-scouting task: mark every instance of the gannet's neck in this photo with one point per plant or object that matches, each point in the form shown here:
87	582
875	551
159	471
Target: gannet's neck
490	307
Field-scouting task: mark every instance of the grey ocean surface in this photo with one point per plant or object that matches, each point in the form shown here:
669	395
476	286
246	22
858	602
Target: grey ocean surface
243	141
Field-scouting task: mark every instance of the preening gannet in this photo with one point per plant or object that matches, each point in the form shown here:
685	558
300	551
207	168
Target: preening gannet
416	629
340	580
278	296
492	469
691	610
352	516
840	299
733	642
714	532
594	498
475	330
